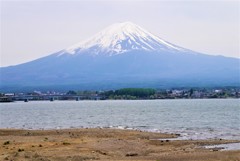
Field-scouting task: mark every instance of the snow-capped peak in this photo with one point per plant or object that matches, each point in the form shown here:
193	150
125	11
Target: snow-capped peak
120	38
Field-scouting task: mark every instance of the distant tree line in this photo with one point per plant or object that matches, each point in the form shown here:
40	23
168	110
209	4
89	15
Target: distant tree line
130	93
149	93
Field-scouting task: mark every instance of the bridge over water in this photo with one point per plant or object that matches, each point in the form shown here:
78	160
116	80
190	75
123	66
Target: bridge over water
55	97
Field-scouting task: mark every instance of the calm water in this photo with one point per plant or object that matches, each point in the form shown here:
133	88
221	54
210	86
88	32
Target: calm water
193	119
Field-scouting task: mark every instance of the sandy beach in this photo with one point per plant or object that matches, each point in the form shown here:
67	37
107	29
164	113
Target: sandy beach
106	144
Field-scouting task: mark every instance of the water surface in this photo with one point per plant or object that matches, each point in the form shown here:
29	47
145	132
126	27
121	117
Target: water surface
193	119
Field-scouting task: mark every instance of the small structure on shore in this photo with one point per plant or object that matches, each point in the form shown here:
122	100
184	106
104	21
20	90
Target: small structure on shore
6	99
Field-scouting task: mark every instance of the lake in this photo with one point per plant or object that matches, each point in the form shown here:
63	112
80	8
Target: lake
192	118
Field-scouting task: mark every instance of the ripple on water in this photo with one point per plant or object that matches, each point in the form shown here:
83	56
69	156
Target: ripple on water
224	147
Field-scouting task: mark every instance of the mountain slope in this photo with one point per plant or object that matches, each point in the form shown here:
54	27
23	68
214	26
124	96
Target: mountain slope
122	55
120	38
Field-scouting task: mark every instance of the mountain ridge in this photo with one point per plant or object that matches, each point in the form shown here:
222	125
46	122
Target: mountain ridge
123	37
96	63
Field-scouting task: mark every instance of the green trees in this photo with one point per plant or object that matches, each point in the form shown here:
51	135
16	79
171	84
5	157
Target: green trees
130	93
71	92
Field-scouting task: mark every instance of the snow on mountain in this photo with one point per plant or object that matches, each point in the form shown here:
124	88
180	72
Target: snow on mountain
120	38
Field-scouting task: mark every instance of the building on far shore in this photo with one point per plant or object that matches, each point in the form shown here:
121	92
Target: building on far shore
6	99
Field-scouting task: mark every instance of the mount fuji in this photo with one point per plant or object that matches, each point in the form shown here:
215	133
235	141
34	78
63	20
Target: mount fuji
122	55
120	38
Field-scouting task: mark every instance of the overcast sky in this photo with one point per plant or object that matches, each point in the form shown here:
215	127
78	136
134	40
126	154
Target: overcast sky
33	29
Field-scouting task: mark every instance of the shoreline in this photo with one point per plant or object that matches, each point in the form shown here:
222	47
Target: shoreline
73	100
179	134
107	144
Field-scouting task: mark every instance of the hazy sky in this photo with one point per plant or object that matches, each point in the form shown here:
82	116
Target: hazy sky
33	29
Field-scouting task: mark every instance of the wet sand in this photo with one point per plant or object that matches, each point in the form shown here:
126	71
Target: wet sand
106	144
